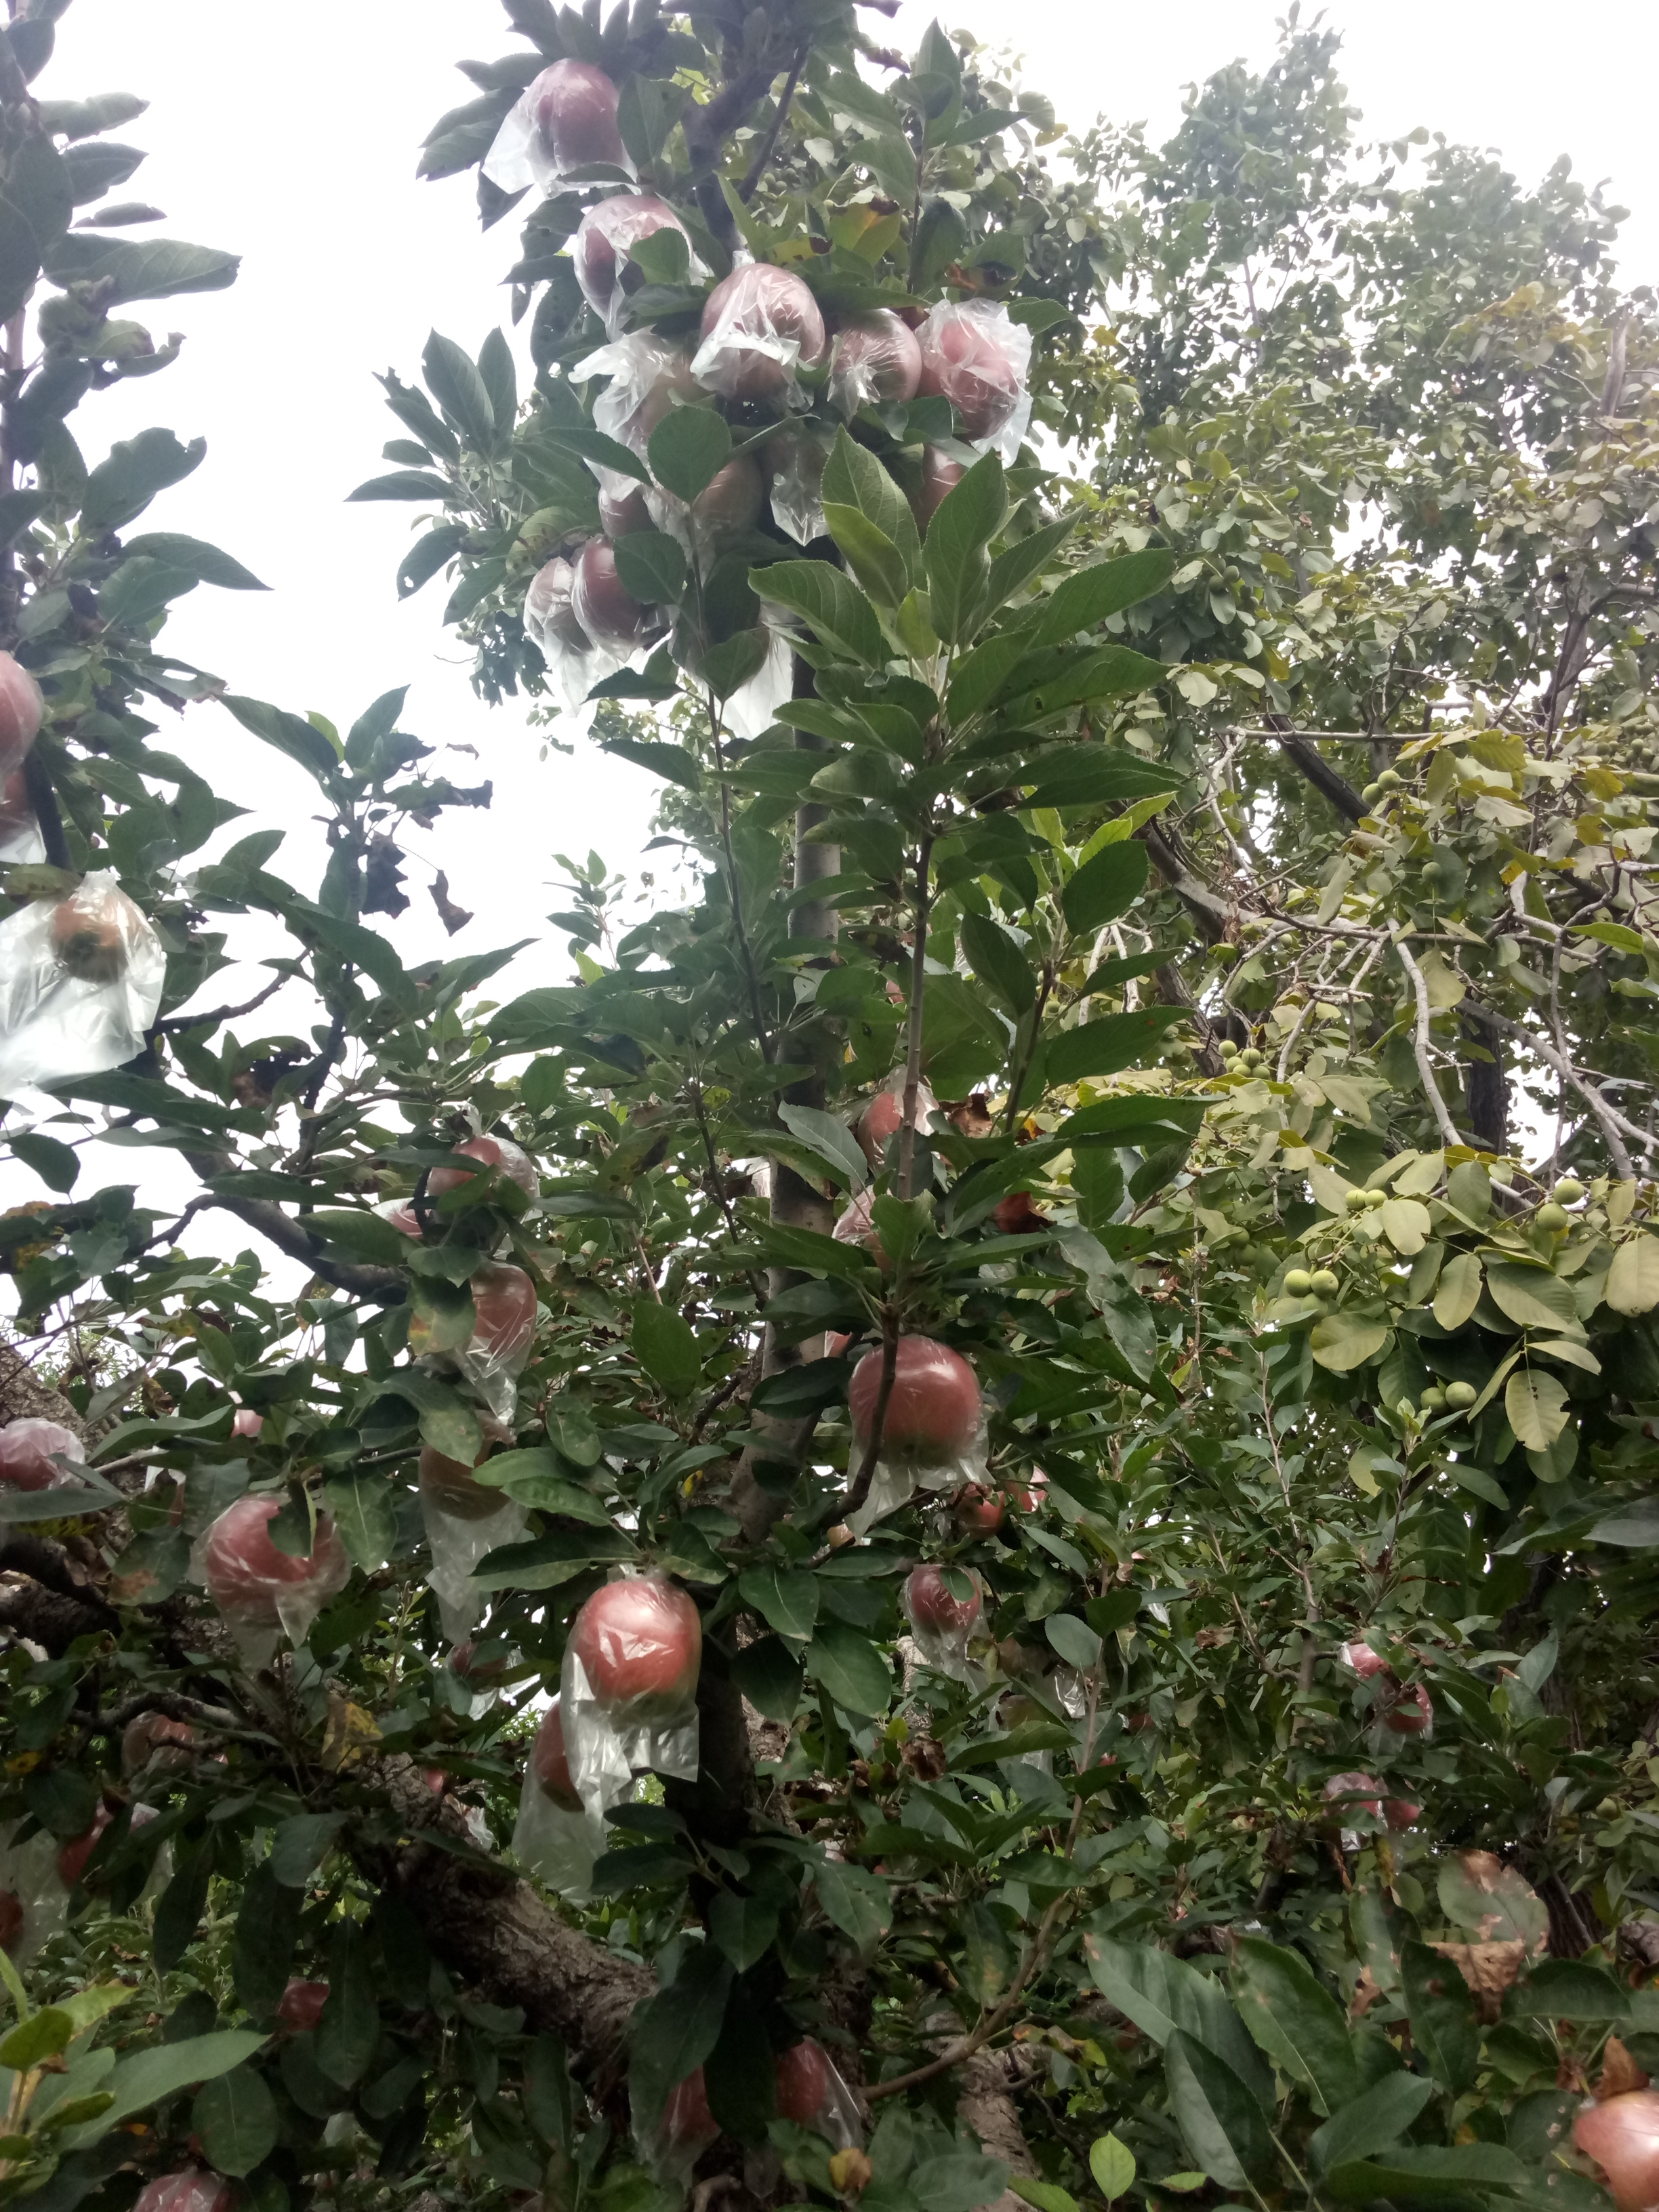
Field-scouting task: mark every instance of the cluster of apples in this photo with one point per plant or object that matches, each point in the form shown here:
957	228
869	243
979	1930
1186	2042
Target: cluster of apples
809	2091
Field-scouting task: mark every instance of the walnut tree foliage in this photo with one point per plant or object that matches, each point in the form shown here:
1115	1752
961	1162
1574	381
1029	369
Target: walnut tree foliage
1234	812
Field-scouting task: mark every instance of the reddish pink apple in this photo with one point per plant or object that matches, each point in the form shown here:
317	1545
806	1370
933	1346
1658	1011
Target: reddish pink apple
933	1413
1016	1215
193	2190
504	1300
498	1152
446	1485
1355	1793
550	618
156	1737
1413	1715
94	931
73	1857
20	711
855	1225
247	1423
687	2121
299	2009
639	1643
939	478
757	325
245	1570
620	515
551	1762
608	233
804	2081
978	1510
973	356
1361	1660
606	610
1622	2136
17	815
572	112
724	509
26	1450
877	361
932	1604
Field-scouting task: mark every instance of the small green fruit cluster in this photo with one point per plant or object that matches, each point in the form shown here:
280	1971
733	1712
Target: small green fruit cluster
1390	779
1249	1059
1365	1202
1321	1283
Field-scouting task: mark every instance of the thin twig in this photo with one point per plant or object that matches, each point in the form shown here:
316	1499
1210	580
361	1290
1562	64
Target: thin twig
218	1014
757	166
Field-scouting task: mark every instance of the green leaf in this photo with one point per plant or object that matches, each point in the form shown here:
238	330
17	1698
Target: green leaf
837	611
852	477
191	557
1076	1644
414	485
1344	1340
770	1676
1162	1994
1103	1046
786	1599
1432	2176
234	2117
42	2035
1113	2165
1457	1293
1571	1989
159	269
1371	2122
456	385
1221	2122
1296	2020
288	733
56	1164
651	565
676	2031
1013	568
501	383
667	1347
1536	1405
958	572
687	451
300	1846
850	1668
1106	886
362	1505
349	2029
871	554
1093	775
830	1138
1441	2016
743	1928
1046	2196
1086	599
136	468
855	1901
538	1477
262	1943
1532	1297
149	2075
1492	1902
595	446
1632	1279
999	962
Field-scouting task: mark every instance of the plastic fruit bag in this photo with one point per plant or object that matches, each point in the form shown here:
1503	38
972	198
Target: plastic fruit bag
504	1301
794	464
876	363
727	509
20	841
479	1680
512	1165
465	1521
33	1902
563	126
683	2131
943	1623
933	1436
645	374
628	1688
973	354
608	233
574	663
192	2189
27	1450
81	982
884	1117
615	620
754	706
555	1836
21	710
760	325
812	2093
262	1593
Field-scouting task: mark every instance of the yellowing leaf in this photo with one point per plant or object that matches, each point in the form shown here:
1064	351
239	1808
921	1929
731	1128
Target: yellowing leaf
1445	986
1405	1225
1537	1407
1632	1286
1458	1291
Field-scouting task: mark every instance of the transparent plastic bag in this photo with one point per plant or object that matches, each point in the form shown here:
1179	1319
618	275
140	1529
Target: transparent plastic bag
753	706
645	374
727	510
884	1117
21	712
876	363
81	982
262	1594
683	2133
855	1225
607	235
479	1682
27	1448
976	356
794	462
615	620
628	1689
933	1435
942	1624
33	1902
811	2093
192	2189
504	1300
465	1521
563	126
20	841
555	1836
760	325
574	663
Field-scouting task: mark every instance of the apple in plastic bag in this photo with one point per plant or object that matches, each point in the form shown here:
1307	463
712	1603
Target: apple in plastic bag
299	2008
1412	1715
20	711
448	1486
620	515
1361	1660
548	614
245	1570
158	1739
247	1423
804	2081
1622	2135
759	302
17	815
727	506
572	112
498	1153
687	2121
963	360
194	2189
551	1763
606	610
939	478
504	1300
933	1413
91	930
607	235
934	1605
876	358
26	1450
978	1510
639	1643
881	1121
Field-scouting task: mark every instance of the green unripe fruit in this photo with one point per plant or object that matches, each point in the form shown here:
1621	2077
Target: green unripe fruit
1324	1284
1390	779
1228	1048
1299	1283
1355	1202
1461	1396
1553	1217
1251	1057
1375	1198
1432	1400
1371	793
1568	1191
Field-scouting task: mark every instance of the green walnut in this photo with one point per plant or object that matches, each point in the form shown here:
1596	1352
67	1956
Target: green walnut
1375	1198
1371	793
1568	1191
1228	1048
1390	779
1460	1396
1356	1201
1299	1283
1324	1284
1553	1217
1432	1400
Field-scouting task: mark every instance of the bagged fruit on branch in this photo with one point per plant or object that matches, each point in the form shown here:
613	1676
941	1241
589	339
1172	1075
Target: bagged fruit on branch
875	362
608	233
940	475
555	1836
492	1358
684	2129
263	1593
725	510
811	2093
563	126
574	663
615	620
884	1117
465	1521
973	354
855	1225
33	1902
20	841
478	1679
480	1155
192	2189
628	1688
760	325
932	1432
81	982
28	1450
645	376
793	461
944	1620
753	706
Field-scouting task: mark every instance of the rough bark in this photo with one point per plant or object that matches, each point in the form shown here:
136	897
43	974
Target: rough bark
1211	913
986	2103
1328	781
1486	1085
24	1396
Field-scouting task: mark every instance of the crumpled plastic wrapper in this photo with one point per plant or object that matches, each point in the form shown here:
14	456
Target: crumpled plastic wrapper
81	982
262	1594
574	663
943	1625
683	2133
539	143
33	1902
645	374
907	1464
27	1448
883	1116
465	1521
192	2189
754	706
976	356
760	326
811	2093
876	363
607	1735
494	1358
557	1837
608	233
794	462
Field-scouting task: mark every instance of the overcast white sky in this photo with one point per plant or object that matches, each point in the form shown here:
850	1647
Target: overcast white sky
290	136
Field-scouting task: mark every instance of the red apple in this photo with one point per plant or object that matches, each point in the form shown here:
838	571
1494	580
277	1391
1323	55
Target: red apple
20	710
609	613
724	509
1355	1793
686	2118
931	1604
572	112
552	1764
463	1662
301	2007
26	1449
619	516
73	1857
973	356
247	1423
11	1921
805	2080
881	1117
144	1742
550	620
977	1510
609	231
245	1570
1400	1813
1414	1715
401	1214
1027	1497
933	1413
756	324
504	1299
1361	1660
877	359
663	374
639	1643
498	1153
194	2190
446	1485
93	931
1622	2136
1016	1215
939	478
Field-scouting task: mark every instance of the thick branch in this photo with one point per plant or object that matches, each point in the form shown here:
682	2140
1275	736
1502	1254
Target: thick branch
1444	1121
1614	1125
43	805
1210	913
1327	780
384	1284
214	1015
757	167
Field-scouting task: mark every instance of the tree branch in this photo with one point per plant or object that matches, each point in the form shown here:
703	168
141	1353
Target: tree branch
757	166
217	1014
1211	913
1328	781
43	805
1611	1122
1420	1042
384	1285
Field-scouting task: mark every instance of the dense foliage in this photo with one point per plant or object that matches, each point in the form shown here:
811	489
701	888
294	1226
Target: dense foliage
1169	927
